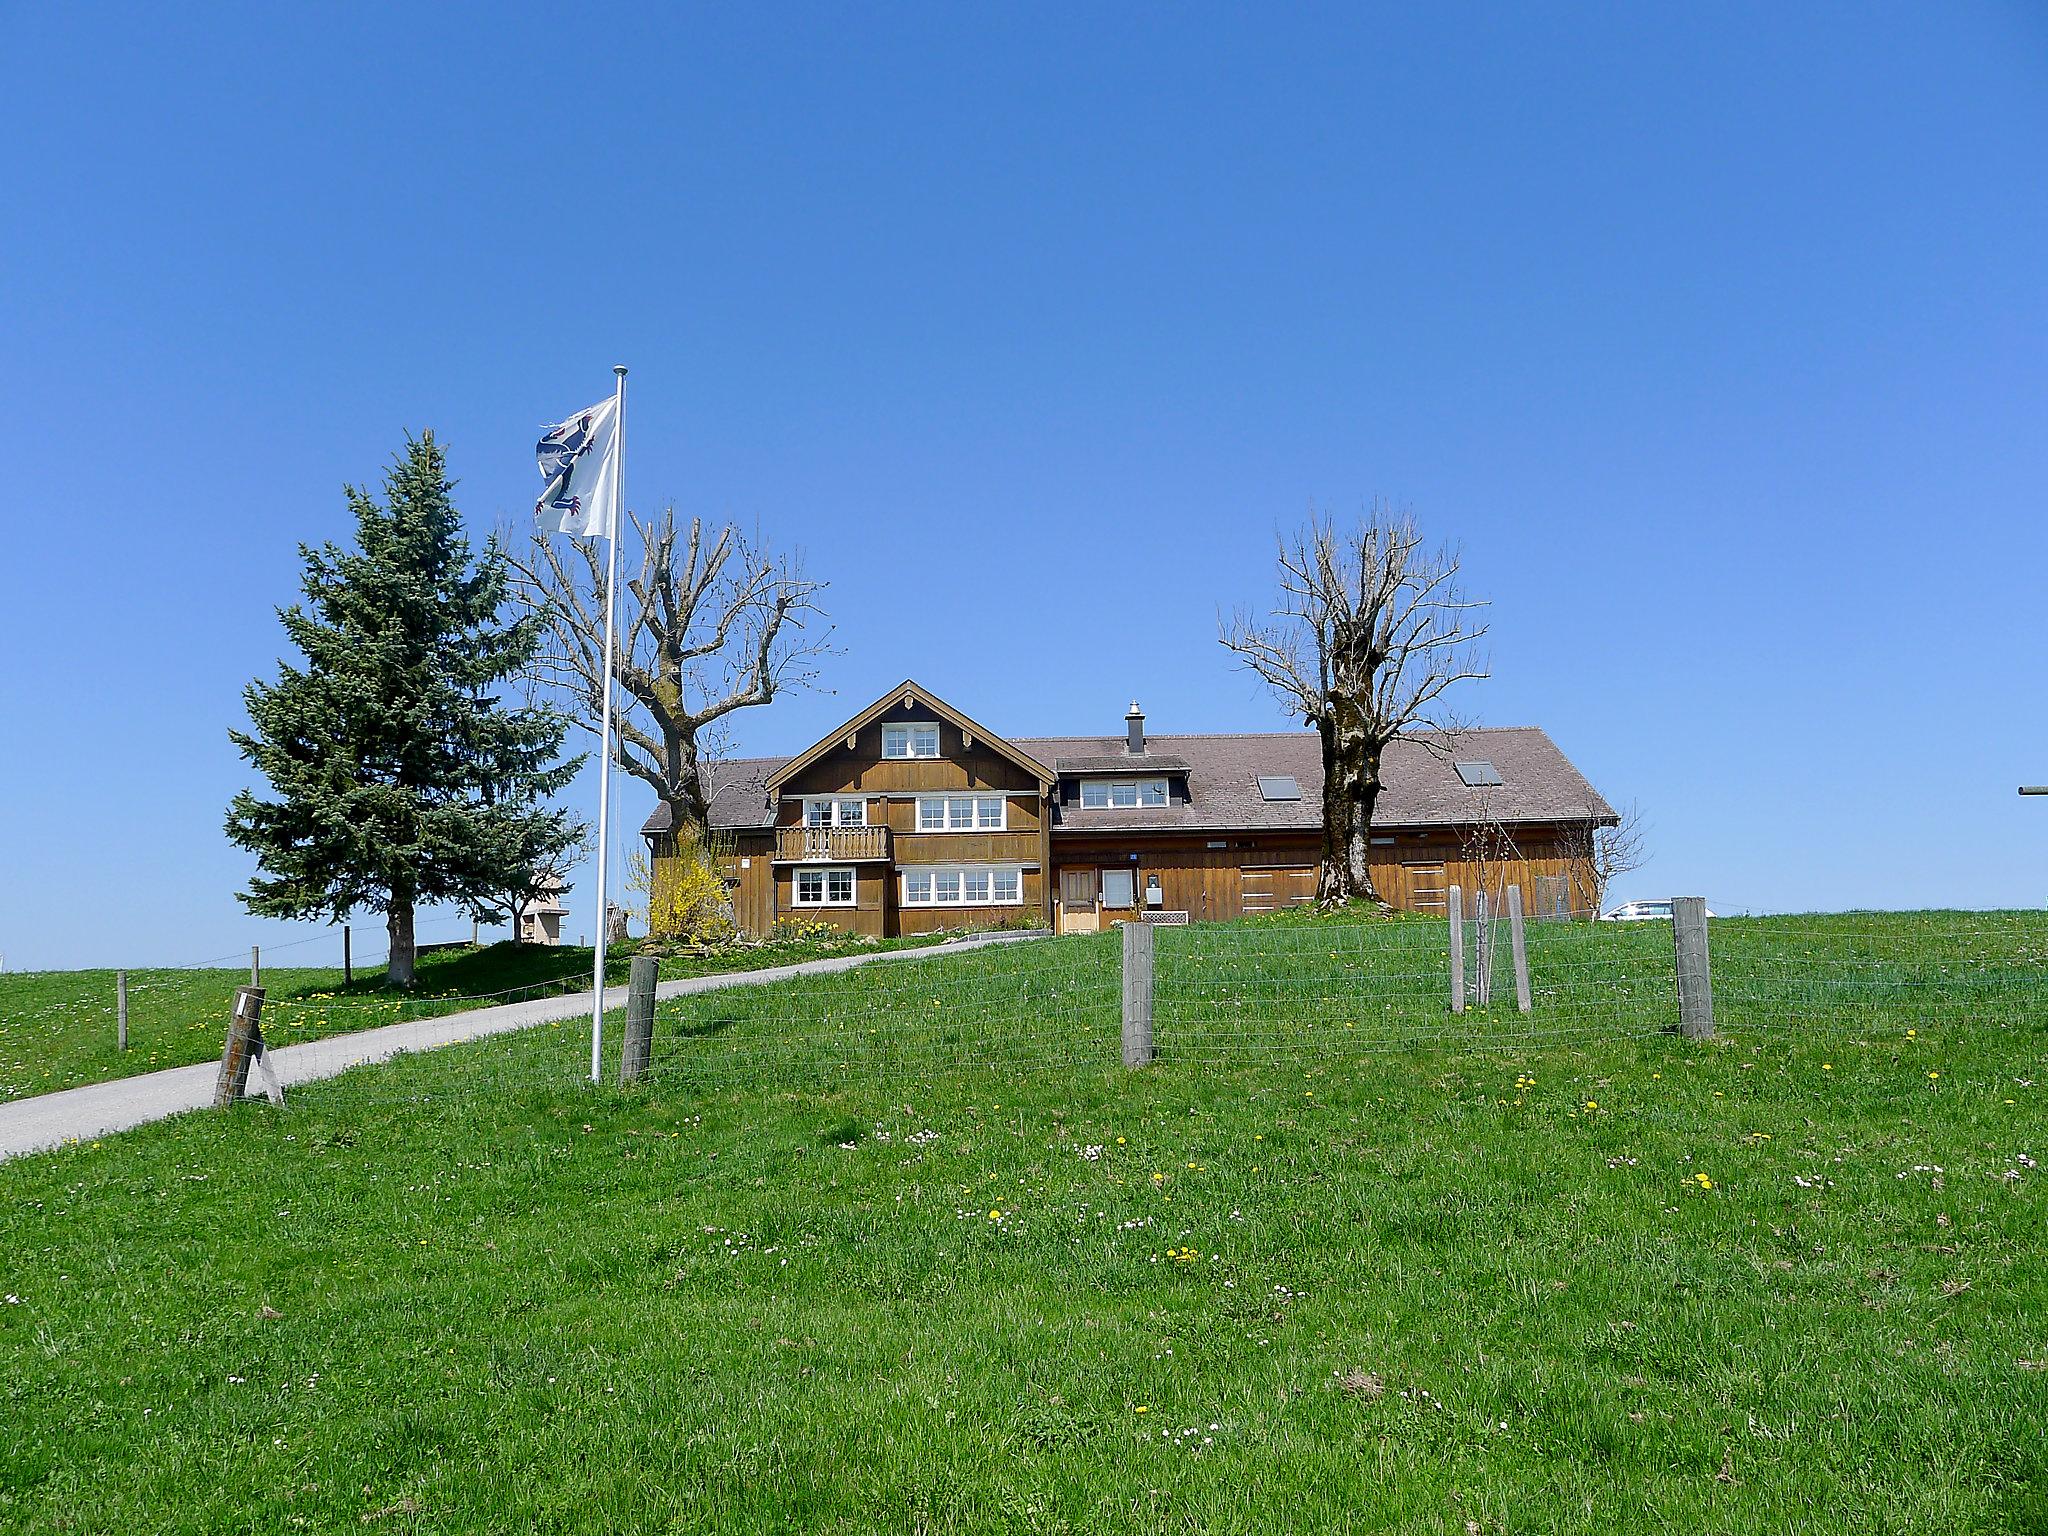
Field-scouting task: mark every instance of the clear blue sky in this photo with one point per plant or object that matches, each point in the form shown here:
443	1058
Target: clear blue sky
1718	335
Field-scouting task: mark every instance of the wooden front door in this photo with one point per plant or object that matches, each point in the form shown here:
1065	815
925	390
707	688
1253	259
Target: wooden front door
1078	910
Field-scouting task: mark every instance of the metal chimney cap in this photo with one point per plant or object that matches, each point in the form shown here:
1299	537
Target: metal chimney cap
1134	710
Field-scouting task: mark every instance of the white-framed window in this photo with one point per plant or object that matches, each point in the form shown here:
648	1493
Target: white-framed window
914	739
1118	888
1103	794
962	813
968	885
824	887
835	811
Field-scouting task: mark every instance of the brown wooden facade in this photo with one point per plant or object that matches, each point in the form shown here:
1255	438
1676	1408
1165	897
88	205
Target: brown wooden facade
1059	871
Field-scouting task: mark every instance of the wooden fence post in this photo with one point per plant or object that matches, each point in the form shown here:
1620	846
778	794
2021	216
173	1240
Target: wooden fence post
1695	981
121	1010
1482	946
638	1046
1138	952
1456	899
255	966
245	1036
1519	947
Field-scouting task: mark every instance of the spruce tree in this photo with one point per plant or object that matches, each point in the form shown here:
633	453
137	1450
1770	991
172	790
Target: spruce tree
401	777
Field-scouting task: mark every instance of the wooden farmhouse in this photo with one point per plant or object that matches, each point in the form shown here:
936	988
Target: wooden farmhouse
912	817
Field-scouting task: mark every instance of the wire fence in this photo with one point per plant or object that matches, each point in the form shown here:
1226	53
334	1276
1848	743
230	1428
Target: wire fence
1223	995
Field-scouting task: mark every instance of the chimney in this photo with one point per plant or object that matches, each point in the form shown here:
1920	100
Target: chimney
1134	726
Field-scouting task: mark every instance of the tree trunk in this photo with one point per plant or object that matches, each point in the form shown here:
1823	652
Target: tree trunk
398	970
1351	786
689	817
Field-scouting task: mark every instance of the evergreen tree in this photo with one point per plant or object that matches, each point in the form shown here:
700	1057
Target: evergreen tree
400	775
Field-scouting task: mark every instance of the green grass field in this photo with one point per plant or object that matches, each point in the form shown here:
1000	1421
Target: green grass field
904	1250
57	1028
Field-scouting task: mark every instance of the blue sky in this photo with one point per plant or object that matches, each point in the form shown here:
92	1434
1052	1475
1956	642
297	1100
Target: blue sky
1717	336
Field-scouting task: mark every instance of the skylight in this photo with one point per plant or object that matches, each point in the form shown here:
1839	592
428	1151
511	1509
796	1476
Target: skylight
1279	786
1479	773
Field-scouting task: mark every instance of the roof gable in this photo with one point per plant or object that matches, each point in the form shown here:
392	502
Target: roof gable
910	694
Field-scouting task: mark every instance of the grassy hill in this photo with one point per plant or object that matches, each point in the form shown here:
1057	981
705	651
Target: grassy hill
57	1028
903	1250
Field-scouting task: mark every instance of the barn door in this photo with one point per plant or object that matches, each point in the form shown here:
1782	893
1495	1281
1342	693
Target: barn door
1428	891
1078	911
1268	888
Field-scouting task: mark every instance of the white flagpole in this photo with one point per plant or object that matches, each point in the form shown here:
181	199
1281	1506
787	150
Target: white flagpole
604	761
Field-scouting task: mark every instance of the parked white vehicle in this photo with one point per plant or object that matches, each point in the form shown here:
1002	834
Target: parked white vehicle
1642	912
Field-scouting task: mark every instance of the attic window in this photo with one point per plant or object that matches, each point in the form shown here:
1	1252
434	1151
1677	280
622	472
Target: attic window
1279	786
1479	773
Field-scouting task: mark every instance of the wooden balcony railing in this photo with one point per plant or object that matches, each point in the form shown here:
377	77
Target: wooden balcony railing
831	845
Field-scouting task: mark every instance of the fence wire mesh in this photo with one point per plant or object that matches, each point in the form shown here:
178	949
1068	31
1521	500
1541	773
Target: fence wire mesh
1225	995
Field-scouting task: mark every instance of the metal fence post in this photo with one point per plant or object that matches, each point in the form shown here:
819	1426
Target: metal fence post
638	1046
1695	981
121	1010
1455	897
1138	952
245	1036
255	965
1518	946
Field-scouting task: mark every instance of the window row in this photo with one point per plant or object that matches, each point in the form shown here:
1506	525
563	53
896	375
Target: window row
935	813
967	886
826	811
1103	794
961	813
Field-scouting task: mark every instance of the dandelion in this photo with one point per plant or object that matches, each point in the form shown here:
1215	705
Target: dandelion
1827	1066
1932	1076
1141	1408
1592	1103
1703	1181
995	1215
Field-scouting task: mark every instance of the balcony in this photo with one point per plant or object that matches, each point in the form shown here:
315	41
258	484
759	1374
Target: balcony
830	845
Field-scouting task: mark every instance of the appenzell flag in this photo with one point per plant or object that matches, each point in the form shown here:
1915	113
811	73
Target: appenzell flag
579	459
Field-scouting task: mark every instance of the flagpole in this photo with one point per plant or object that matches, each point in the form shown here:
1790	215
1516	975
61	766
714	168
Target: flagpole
604	761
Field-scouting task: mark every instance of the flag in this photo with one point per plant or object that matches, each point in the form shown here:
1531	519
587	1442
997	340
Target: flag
579	459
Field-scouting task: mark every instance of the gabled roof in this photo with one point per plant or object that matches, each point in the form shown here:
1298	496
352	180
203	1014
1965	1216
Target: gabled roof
1421	786
911	695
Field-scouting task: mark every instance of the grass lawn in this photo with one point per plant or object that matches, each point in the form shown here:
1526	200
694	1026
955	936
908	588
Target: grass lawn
57	1028
903	1250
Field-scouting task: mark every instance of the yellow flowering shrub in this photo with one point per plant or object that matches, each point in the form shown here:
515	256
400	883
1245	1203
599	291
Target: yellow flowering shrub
682	894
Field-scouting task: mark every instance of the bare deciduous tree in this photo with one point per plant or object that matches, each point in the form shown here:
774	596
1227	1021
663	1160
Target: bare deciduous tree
1370	631
713	626
1601	851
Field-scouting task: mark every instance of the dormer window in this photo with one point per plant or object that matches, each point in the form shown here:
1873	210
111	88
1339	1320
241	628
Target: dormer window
1122	794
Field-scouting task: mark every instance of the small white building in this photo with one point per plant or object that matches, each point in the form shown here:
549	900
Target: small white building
541	922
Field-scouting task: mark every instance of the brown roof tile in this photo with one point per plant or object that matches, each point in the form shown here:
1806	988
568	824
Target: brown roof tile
1421	789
